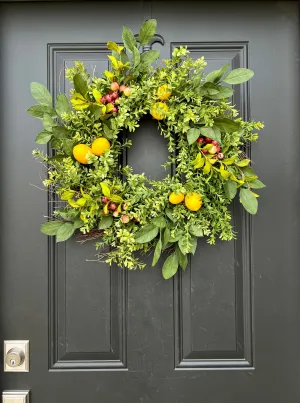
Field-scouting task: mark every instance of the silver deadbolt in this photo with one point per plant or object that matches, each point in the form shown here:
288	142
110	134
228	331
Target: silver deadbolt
15	357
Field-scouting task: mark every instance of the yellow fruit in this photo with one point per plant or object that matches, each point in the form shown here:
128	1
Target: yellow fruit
164	92
193	201
100	146
159	110
176	198
80	153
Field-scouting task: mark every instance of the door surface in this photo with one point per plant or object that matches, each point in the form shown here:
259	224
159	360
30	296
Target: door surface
225	331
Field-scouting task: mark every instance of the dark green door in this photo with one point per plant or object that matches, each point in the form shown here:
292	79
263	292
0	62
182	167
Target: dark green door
225	331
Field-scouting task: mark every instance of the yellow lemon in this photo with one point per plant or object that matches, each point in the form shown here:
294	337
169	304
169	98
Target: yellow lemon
100	146
176	198
159	110
164	92
193	201
80	152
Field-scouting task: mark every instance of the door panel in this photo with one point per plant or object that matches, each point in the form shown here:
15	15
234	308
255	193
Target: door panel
224	331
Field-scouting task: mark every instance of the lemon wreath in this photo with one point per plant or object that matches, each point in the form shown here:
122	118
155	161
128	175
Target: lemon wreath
125	212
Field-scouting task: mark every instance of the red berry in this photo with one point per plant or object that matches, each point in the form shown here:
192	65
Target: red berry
114	95
220	156
215	143
218	149
208	140
213	150
116	213
104	199
204	151
112	206
108	97
124	218
114	86
103	100
114	110
200	140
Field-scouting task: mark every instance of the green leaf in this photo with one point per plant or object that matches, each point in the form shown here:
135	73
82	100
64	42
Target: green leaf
170	266
51	227
48	122
196	230
207	167
136	57
169	213
80	85
216	75
114	46
166	237
62	105
243	163
256	184
105	222
124	57
157	252
146	233
68	145
212	132
96	110
116	198
224	92
41	94
184	246
68	194
149	57
193	245
182	259
128	39
192	135
65	232
229	161
43	137
159	222
249	201
38	111
249	172
226	125
147	31
108	132
230	189
208	89
238	76
60	132
78	223
105	189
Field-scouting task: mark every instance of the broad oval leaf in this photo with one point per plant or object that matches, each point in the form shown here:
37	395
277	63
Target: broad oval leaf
51	227
256	184
157	252
48	122
166	237
41	94
216	75
62	105
105	189
105	222
80	84
169	213
136	57
128	39
243	163
196	230
65	232
224	92
230	189
146	233
147	31
238	76
38	111
60	132
159	222
68	194
149	57
226	125
170	266
192	135
43	137
249	201
182	259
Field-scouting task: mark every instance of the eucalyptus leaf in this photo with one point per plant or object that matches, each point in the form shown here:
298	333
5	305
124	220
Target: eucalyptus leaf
170	266
147	31
51	227
65	232
41	94
146	233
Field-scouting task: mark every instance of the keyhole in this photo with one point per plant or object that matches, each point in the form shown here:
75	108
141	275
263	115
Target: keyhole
12	362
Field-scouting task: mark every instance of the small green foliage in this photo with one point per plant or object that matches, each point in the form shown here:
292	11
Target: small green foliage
128	213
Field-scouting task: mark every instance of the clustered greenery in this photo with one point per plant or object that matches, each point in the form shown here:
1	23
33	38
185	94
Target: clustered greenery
199	107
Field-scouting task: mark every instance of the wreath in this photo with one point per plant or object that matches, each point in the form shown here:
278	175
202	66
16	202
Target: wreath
127	213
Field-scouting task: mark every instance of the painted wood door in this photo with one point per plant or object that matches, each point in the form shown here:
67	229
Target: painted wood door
226	330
